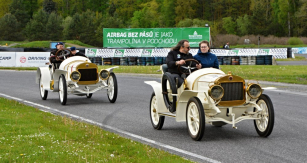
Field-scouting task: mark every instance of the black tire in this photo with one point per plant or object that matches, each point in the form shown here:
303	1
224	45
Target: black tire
43	93
156	120
112	93
62	90
89	95
171	105
195	119
267	116
218	124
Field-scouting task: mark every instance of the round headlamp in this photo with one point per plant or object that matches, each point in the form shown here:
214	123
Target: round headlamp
216	92
104	74
75	76
254	90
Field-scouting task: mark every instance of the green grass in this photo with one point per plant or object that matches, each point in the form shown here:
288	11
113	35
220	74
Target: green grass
276	73
297	58
30	135
267	46
46	44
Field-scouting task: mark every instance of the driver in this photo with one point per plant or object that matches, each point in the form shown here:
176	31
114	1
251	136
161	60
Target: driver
176	57
56	60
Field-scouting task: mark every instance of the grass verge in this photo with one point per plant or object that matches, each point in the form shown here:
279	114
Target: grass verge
30	135
276	73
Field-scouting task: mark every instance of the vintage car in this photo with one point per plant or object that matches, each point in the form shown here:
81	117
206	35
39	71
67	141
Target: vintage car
209	96
75	75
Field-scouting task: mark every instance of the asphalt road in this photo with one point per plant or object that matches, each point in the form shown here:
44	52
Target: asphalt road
129	116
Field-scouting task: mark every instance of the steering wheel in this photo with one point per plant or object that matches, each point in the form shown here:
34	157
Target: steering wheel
187	69
61	53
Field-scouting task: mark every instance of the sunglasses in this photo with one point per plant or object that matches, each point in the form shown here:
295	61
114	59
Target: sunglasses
187	47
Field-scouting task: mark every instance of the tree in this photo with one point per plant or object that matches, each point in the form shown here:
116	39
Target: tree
4	7
49	6
184	9
54	27
17	8
36	28
229	25
243	25
147	17
9	28
168	15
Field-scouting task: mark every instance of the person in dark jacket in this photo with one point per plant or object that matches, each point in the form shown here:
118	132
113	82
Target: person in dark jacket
56	60
206	58
75	53
176	57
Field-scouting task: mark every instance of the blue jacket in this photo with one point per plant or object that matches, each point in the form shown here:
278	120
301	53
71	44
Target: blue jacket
207	60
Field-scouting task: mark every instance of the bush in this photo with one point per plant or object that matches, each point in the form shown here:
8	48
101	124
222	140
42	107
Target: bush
295	41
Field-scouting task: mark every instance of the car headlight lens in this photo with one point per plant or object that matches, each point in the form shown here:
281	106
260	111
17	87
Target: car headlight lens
216	92
254	90
75	76
104	74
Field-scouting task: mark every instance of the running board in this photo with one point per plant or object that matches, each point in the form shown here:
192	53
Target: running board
168	114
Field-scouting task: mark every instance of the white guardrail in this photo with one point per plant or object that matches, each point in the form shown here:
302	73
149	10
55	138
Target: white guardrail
39	59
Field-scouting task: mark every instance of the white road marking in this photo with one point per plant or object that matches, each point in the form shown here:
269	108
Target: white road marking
165	146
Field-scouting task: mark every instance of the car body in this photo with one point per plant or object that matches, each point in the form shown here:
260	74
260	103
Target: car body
76	75
210	96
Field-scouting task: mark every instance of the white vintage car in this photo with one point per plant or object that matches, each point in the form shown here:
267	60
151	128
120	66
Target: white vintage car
210	96
76	75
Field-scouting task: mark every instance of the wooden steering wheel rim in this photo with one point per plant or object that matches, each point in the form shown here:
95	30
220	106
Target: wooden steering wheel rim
56	54
187	60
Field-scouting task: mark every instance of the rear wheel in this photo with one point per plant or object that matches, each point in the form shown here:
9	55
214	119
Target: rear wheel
43	93
157	121
112	90
264	125
195	118
62	90
170	103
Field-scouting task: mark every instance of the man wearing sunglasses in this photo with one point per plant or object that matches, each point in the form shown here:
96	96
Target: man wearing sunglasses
176	57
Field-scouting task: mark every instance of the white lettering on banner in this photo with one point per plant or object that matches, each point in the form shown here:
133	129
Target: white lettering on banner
133	34
167	34
146	34
117	34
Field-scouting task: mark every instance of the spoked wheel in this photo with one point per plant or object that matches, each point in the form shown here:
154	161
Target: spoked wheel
156	120
62	89
43	93
264	125
195	118
89	95
112	90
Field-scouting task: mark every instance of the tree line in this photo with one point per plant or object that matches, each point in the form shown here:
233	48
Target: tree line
84	20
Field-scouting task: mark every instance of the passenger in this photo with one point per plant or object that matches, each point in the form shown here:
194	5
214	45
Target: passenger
206	58
75	53
176	57
56	60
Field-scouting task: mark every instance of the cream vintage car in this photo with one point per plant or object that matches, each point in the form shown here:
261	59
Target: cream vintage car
209	96
76	75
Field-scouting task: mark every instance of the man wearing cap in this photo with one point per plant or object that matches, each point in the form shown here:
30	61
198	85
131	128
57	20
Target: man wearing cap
53	59
75	53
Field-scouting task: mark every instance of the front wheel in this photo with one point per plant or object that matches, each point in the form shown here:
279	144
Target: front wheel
62	89
264	125
156	120
112	90
43	93
195	118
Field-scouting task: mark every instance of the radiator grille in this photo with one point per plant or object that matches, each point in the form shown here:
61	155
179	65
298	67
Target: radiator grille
232	91
88	74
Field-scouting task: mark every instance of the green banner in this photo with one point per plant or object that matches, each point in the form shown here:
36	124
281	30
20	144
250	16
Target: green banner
152	37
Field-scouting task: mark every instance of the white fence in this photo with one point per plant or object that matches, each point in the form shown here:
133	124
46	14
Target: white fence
24	59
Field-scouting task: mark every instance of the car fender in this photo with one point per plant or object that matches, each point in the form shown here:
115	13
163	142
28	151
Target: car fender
158	92
111	69
56	75
182	104
44	73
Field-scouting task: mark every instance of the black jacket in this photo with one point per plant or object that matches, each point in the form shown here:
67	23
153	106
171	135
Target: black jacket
174	56
52	57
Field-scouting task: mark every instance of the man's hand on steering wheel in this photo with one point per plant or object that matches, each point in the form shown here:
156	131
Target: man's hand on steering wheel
62	52
187	69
